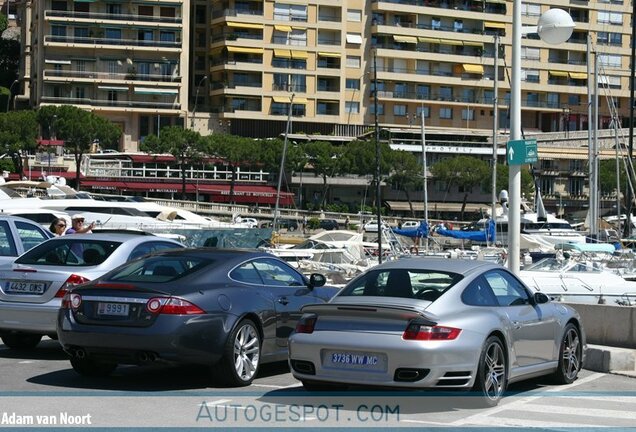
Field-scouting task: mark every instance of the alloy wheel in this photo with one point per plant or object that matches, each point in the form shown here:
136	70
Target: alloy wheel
246	352
495	372
571	345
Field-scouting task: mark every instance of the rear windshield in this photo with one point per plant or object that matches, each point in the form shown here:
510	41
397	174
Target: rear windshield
417	284
160	268
70	251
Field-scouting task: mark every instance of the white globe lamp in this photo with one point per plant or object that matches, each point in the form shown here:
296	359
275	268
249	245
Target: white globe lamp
555	26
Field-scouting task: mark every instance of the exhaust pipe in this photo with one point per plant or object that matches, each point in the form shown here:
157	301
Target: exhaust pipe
147	357
80	353
143	357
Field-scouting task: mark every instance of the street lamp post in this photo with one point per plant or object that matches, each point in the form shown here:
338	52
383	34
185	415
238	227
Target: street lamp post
196	100
378	190
554	27
11	93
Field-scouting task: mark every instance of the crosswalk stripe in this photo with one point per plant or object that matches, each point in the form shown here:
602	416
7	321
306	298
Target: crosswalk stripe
582	411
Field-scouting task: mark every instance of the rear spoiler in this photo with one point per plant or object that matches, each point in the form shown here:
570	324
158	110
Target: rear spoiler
382	312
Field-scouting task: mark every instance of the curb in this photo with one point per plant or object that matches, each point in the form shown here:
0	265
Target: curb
611	360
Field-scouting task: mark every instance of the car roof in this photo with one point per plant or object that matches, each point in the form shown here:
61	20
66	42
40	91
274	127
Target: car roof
17	219
119	237
450	265
222	253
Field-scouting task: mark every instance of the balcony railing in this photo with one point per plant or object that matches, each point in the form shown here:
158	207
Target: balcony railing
112	17
234	12
49	73
113	103
111	41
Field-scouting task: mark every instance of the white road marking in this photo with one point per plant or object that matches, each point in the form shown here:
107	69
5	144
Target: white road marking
582	411
26	362
217	402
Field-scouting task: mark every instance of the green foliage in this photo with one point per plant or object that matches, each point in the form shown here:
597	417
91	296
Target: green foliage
337	208
4	22
79	129
607	176
527	182
7	165
9	62
18	134
313	223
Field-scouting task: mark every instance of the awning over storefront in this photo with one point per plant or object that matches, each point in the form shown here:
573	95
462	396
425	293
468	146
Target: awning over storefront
50	143
473	69
436	206
246	194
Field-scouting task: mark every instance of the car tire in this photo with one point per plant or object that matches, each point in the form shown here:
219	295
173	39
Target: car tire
21	341
92	368
492	374
319	386
241	356
570	354
291	228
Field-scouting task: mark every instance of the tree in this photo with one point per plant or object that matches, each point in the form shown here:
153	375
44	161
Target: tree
607	176
406	174
18	136
78	129
325	159
186	145
9	62
235	150
465	172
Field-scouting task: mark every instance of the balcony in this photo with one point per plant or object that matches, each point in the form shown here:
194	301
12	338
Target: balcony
236	12
111	17
110	41
170	105
98	75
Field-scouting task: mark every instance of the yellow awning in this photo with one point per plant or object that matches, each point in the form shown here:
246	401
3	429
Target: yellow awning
497	25
405	39
474	44
299	100
451	42
474	69
495	1
282	53
328	54
578	75
281	99
283	28
245	50
428	40
559	73
244	25
299	54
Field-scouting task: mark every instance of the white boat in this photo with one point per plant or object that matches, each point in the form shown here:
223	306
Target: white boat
544	228
579	281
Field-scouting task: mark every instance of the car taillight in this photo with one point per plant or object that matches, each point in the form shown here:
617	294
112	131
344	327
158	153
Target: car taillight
417	331
306	324
172	306
71	300
72	281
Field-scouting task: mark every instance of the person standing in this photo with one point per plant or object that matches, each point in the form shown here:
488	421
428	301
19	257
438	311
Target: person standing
58	227
77	225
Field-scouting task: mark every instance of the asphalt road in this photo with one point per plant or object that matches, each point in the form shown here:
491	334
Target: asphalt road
40	389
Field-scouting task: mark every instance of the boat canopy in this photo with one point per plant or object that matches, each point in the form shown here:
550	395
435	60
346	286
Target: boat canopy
588	247
485	235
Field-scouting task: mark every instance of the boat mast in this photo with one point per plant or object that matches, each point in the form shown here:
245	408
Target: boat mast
495	127
424	169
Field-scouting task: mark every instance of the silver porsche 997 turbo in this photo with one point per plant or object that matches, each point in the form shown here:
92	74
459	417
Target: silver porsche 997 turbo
436	323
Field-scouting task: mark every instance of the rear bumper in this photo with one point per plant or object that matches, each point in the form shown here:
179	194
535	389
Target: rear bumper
29	317
171	338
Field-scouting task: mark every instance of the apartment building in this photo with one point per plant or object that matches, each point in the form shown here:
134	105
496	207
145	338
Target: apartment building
239	65
125	60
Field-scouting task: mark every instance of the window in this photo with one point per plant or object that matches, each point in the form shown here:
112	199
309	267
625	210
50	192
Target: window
167	36
446	113
289	12
529	53
113	8
530	9
479	293
547	185
352	84
168	12
530	75
575	186
30	235
380	109
353	62
112	97
400	90
468	114
421	284
399	110
354	15
606	17
352	107
427	112
81	32
58	30
446	93
508	290
112	33
274	272
81	7
609	81
423	91
574	99
458	25
553	100
436	23
610	60
58	5
146	10
145	35
298	37
79	93
576	165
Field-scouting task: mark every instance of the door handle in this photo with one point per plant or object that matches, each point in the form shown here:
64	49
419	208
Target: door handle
282	300
517	325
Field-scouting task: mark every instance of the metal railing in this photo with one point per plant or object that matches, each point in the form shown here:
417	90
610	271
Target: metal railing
111	16
102	75
111	41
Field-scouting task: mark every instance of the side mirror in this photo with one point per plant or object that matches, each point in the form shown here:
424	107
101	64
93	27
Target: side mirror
317	280
540	298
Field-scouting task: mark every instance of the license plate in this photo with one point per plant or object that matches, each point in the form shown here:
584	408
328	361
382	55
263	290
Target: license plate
355	360
116	309
24	287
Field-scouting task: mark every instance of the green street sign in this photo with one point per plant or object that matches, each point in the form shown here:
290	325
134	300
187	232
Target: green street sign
520	152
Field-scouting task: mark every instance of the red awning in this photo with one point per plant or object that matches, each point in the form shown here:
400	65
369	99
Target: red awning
56	143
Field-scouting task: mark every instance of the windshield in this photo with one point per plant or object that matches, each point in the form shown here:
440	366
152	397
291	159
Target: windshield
405	283
161	268
69	252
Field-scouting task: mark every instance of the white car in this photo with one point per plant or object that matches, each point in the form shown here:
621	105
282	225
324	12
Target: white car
410	224
253	223
372	226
